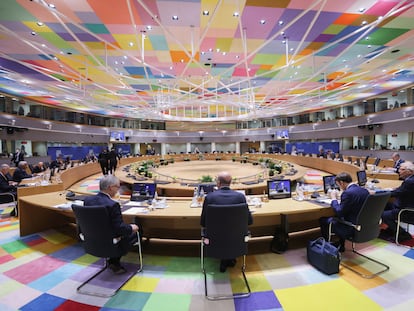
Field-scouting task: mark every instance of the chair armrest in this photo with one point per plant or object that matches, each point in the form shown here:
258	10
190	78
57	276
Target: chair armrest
348	223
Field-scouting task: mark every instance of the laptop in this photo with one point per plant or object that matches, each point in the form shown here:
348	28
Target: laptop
143	192
279	189
329	183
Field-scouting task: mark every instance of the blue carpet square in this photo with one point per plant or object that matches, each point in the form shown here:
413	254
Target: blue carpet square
258	301
44	302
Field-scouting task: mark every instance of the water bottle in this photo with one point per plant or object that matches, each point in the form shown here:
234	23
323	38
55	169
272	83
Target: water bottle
300	192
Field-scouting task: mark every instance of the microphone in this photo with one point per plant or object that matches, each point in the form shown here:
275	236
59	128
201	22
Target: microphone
374	178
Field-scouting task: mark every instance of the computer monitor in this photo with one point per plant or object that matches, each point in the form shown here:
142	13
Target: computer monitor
362	178
329	183
143	191
377	161
207	188
279	189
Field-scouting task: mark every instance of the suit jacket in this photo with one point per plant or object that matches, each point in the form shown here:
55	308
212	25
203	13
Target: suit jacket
223	196
17	157
20	174
404	194
352	200
102	199
4	184
397	165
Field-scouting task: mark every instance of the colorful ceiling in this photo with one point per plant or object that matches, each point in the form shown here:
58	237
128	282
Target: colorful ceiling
208	60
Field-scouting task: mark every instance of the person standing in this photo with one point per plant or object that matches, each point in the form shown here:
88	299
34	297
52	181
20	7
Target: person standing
18	156
352	199
403	198
223	196
113	158
103	159
108	188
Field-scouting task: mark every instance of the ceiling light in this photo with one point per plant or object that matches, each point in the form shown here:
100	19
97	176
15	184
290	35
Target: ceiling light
280	22
52	6
217	50
262	22
361	10
174	18
131	43
149	27
39	24
206	13
33	33
224	53
236	14
364	22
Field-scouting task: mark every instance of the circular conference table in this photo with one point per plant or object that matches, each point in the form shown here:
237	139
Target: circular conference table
38	211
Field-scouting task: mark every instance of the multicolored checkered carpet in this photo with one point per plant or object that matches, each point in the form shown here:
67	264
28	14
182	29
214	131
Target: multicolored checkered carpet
42	272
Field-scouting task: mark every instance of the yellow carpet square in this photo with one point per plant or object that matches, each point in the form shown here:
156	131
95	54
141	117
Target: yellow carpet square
335	295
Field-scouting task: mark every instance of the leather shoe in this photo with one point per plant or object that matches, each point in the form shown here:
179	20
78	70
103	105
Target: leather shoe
117	269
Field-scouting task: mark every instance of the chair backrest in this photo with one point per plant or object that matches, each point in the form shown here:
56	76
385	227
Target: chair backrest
96	232
227	230
369	217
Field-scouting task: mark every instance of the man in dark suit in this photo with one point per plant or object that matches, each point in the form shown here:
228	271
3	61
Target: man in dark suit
404	198
20	172
397	161
108	188
352	199
18	156
6	182
223	196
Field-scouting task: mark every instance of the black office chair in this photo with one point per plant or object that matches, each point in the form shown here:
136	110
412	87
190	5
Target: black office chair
8	200
98	240
225	236
405	215
366	228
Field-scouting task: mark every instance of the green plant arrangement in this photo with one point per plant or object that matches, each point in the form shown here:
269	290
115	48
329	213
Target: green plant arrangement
233	159
271	172
206	178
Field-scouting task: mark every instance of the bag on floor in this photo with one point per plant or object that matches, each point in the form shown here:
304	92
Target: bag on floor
323	256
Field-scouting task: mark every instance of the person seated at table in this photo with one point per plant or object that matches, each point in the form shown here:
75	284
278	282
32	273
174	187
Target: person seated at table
352	199
108	187
404	198
224	195
6	181
20	172
39	168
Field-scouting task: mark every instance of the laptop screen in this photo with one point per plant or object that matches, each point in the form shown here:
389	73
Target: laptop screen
207	188
143	191
362	178
329	183
279	189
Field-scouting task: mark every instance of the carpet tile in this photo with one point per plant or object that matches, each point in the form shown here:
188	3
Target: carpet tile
42	272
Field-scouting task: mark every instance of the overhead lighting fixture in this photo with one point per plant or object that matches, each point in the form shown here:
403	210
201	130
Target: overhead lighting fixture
262	22
52	6
364	22
281	23
149	27
33	33
236	14
39	24
206	13
361	10
174	18
131	43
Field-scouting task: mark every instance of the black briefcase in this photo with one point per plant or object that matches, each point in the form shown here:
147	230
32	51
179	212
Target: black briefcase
323	256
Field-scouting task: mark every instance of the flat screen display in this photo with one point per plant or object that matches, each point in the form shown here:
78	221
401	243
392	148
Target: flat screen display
279	189
207	188
329	183
143	191
377	161
362	178
117	136
282	134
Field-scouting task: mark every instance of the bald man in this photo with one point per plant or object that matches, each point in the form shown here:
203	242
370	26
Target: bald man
223	196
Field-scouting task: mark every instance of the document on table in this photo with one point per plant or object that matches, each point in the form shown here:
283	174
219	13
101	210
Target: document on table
68	205
136	210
